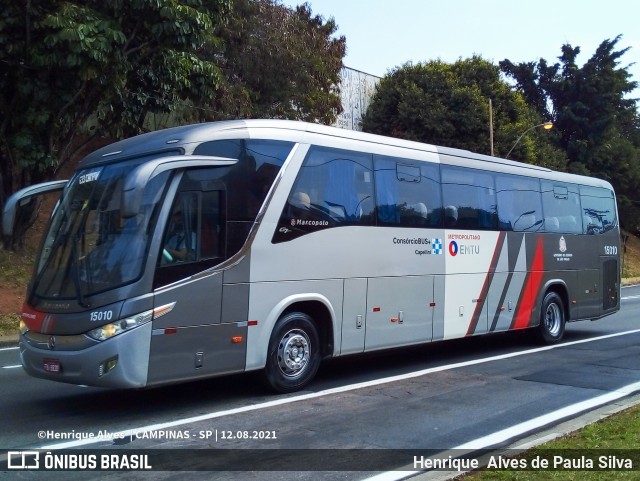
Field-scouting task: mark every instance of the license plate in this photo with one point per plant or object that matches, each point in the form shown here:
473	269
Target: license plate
52	365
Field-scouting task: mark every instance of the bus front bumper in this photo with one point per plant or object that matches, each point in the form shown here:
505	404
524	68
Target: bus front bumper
119	362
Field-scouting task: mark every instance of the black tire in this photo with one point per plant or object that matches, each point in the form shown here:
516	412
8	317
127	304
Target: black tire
293	357
552	319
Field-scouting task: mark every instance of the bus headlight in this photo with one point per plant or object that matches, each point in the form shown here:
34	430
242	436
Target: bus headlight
22	327
107	331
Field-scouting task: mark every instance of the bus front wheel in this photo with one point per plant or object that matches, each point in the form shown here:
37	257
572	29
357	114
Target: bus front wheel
552	319
293	357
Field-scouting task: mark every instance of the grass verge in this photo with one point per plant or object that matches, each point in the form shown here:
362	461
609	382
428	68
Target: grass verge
617	435
9	324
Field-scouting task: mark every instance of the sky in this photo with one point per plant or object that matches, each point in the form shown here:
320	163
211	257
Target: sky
384	34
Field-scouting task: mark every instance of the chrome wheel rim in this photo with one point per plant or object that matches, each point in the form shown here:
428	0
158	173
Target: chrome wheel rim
553	319
294	353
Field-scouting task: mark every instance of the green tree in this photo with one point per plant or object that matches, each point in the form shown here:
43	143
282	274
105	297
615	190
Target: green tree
279	63
64	63
595	121
448	104
71	71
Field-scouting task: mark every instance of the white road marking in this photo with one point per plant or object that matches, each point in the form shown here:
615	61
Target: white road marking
535	423
512	432
327	392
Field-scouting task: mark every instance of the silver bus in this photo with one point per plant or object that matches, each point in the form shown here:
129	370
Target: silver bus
270	245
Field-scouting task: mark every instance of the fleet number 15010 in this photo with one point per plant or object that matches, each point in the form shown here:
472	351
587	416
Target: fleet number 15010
101	316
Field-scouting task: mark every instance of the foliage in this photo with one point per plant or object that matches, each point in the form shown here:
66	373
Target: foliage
71	71
448	104
596	124
15	271
615	435
66	63
279	63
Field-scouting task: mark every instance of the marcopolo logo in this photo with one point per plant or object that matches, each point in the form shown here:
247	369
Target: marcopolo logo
310	223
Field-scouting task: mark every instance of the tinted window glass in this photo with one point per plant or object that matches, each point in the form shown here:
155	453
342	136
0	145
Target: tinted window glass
248	182
250	179
216	207
519	203
407	192
181	239
561	206
195	236
469	199
90	246
334	187
599	210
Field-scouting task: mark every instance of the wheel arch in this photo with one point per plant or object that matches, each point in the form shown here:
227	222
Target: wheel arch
322	315
315	305
299	338
560	288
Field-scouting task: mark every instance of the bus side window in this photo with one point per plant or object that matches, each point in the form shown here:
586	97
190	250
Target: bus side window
180	239
599	210
519	203
245	184
561	205
407	192
333	188
194	236
211	226
473	194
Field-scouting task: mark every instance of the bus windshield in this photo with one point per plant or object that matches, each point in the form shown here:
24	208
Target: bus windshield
89	247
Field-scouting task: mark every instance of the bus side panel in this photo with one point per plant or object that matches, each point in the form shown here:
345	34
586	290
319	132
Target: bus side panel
610	284
503	298
193	340
527	310
590	302
197	302
610	270
399	311
573	260
197	351
268	300
354	313
438	307
472	258
508	282
466	311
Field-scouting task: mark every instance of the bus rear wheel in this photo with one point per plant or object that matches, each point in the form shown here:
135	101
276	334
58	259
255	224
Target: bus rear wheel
293	357
552	319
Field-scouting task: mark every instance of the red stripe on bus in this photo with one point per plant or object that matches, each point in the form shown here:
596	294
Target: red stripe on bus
531	288
487	283
37	321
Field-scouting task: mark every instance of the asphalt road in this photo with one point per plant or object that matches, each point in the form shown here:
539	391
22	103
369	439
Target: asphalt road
360	414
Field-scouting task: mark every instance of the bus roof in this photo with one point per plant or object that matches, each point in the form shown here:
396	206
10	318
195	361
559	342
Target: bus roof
184	138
